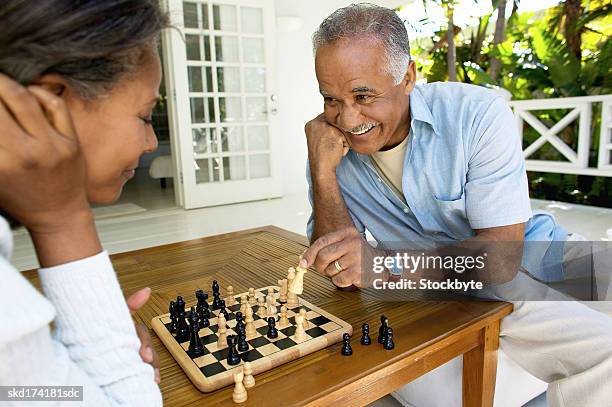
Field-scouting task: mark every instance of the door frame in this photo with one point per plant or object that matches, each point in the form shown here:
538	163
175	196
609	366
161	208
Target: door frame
179	117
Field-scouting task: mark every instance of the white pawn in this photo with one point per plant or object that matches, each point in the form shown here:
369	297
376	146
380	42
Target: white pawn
284	321
249	380
261	308
271	306
240	393
244	302
252	300
230	300
222	332
303	314
300	332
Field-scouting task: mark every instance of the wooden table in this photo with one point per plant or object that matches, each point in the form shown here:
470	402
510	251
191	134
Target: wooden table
426	334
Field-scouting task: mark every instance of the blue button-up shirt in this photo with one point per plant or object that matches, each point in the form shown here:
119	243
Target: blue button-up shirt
463	170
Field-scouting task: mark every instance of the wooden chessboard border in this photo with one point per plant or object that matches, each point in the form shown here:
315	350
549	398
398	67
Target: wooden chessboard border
206	384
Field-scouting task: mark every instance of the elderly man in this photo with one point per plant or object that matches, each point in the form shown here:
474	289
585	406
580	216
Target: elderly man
436	162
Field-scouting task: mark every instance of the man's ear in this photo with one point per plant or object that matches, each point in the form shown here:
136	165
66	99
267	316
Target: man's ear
410	78
53	83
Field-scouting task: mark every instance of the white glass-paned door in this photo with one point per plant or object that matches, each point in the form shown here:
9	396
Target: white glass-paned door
224	96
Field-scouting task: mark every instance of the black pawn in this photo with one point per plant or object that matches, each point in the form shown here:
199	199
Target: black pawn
180	305
215	287
365	334
243	345
346	345
196	348
173	317
239	320
233	358
272	331
388	345
202	307
382	331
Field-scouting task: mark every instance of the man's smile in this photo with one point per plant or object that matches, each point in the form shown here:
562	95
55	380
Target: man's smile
361	129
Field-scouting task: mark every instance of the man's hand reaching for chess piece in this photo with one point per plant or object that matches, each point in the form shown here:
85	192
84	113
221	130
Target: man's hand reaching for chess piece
342	255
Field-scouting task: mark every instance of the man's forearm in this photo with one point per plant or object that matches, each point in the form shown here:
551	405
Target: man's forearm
502	249
330	212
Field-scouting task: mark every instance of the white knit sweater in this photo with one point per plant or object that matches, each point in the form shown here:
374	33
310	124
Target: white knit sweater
93	344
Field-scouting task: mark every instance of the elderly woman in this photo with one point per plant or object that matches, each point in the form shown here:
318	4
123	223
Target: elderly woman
78	82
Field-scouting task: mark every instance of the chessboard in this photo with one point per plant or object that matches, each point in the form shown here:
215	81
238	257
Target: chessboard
211	371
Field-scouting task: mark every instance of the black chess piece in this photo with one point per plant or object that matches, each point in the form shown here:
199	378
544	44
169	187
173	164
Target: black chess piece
202	307
233	358
365	334
382	331
243	345
216	304
204	322
180	305
215	287
223	310
173	317
240	328
272	331
239	319
196	349
389	344
346	345
182	330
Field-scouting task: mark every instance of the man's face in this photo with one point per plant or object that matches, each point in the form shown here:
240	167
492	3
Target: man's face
360	97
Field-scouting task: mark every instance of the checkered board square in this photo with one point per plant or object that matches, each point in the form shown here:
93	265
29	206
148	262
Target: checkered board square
211	371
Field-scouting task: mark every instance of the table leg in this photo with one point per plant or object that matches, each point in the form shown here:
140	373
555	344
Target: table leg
480	369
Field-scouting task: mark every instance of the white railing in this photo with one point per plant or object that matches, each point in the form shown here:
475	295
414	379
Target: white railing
577	160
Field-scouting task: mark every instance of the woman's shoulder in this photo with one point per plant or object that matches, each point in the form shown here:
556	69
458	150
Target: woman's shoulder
6	239
24	309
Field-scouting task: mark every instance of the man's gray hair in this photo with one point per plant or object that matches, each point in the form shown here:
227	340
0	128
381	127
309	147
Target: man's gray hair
365	20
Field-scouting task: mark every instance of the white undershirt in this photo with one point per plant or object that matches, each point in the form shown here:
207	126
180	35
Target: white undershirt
93	344
390	164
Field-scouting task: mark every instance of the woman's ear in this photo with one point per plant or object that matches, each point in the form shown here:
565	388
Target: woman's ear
53	83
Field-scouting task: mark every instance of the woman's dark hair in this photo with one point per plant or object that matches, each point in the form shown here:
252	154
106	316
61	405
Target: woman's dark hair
90	43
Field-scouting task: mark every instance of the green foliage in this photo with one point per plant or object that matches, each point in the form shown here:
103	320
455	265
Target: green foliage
539	59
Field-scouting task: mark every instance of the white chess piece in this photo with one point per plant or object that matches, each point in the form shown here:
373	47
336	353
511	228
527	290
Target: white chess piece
282	284
284	321
292	298
249	328
261	308
230	300
303	314
300	333
249	380
297	286
240	394
221	332
244	302
271	306
252	299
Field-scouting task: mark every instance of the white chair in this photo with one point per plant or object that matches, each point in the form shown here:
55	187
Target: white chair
162	168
